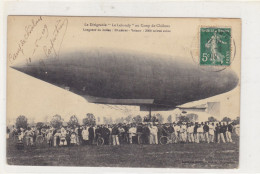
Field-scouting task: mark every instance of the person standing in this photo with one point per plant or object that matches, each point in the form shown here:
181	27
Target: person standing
121	134
206	132
200	133
153	134
110	135
132	132
85	135
105	134
7	132
190	132
126	128
217	133
171	133
222	132
57	138
211	132
139	130
195	133
177	132
115	133
63	134
237	129
146	134
228	132
91	134
68	136
183	133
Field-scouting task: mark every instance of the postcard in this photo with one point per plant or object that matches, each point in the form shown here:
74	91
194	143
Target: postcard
123	92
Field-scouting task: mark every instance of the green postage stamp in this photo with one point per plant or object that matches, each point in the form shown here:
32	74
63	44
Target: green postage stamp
215	46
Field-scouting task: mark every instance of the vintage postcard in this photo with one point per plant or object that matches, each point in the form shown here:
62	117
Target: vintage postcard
123	92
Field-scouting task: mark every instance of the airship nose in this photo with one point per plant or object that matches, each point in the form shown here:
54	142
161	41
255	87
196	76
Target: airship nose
227	80
217	82
233	79
32	69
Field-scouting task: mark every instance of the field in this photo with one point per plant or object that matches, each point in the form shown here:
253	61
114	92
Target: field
171	156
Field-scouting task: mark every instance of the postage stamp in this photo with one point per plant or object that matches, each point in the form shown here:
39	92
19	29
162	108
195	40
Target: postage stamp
215	46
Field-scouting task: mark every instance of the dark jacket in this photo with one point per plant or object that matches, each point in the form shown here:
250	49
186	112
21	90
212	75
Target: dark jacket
139	129
223	129
206	128
230	128
170	129
146	131
105	132
217	130
115	131
91	132
195	129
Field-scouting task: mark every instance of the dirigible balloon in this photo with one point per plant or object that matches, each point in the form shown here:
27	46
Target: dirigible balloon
152	81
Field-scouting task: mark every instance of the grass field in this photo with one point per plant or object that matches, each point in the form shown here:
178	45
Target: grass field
172	155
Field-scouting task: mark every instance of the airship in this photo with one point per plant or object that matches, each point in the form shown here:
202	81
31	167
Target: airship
152	81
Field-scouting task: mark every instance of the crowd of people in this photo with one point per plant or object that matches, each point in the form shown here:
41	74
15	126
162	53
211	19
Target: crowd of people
141	133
